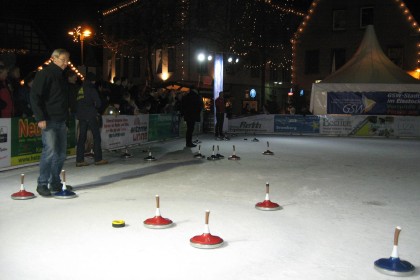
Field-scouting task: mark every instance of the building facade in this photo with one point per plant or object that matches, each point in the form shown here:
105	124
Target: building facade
178	63
332	31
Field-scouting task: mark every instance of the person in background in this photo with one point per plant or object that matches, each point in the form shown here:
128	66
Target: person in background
192	104
49	101
24	96
6	99
13	82
88	102
220	117
74	87
128	106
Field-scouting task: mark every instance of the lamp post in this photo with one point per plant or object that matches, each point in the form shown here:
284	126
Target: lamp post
79	34
201	57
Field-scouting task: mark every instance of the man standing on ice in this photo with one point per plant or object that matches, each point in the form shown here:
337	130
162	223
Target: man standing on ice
49	100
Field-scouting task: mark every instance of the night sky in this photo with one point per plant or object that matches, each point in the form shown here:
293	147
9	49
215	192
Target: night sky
55	18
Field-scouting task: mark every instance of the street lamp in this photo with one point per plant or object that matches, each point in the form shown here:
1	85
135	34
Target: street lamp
80	35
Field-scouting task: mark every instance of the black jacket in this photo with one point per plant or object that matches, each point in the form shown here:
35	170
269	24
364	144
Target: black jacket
49	95
88	101
191	107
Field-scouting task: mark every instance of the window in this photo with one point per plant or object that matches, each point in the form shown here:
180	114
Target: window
338	59
339	20
366	16
396	55
312	62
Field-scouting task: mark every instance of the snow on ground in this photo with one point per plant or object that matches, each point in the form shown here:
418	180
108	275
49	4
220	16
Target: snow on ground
341	199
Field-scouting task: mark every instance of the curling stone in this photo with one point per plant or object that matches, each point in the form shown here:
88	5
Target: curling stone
234	156
268	152
126	154
64	193
150	157
267	205
199	155
157	222
255	139
218	155
206	240
22	194
118	223
213	156
393	265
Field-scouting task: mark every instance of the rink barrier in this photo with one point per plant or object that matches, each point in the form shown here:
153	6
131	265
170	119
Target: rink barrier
20	138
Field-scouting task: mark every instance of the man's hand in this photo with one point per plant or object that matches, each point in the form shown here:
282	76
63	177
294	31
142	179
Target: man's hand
42	124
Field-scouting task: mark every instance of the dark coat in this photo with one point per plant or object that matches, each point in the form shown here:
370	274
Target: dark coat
191	107
88	101
49	95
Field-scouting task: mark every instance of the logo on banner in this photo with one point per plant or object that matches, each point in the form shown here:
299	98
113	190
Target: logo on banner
3	134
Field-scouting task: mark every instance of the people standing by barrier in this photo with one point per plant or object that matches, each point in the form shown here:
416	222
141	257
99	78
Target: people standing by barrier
88	102
192	104
6	99
49	101
13	82
220	117
74	87
24	95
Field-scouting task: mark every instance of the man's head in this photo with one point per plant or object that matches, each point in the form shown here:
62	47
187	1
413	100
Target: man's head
60	57
221	94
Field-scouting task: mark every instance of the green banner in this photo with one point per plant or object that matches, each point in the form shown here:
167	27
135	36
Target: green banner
27	141
163	126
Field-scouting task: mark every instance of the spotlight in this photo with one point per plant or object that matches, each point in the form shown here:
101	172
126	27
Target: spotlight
200	57
209	57
230	59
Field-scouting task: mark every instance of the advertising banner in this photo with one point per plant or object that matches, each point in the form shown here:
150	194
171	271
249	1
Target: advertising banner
374	103
5	142
296	124
335	125
252	124
123	130
27	140
163	126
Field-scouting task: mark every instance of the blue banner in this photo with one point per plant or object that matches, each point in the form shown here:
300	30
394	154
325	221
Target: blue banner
296	124
374	103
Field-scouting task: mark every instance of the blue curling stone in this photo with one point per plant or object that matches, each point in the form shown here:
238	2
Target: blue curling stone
394	266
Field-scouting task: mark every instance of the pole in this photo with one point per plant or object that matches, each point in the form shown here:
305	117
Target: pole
81	50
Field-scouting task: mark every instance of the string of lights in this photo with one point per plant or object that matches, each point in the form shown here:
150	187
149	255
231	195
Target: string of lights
119	7
13	51
283	9
244	42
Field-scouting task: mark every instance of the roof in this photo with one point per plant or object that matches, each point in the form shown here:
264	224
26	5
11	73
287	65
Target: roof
370	65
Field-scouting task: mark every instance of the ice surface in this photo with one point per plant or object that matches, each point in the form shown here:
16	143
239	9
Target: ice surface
341	199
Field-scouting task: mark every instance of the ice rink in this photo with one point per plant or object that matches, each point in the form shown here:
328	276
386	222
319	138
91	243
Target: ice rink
342	199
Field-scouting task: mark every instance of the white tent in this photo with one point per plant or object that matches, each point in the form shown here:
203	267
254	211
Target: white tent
369	70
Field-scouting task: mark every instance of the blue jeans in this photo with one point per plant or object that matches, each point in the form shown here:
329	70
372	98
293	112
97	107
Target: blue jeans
54	152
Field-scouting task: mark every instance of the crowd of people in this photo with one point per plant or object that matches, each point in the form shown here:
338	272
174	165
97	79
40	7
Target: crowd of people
14	96
127	98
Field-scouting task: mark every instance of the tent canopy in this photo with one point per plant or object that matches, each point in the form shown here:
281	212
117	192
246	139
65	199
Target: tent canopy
369	70
370	65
